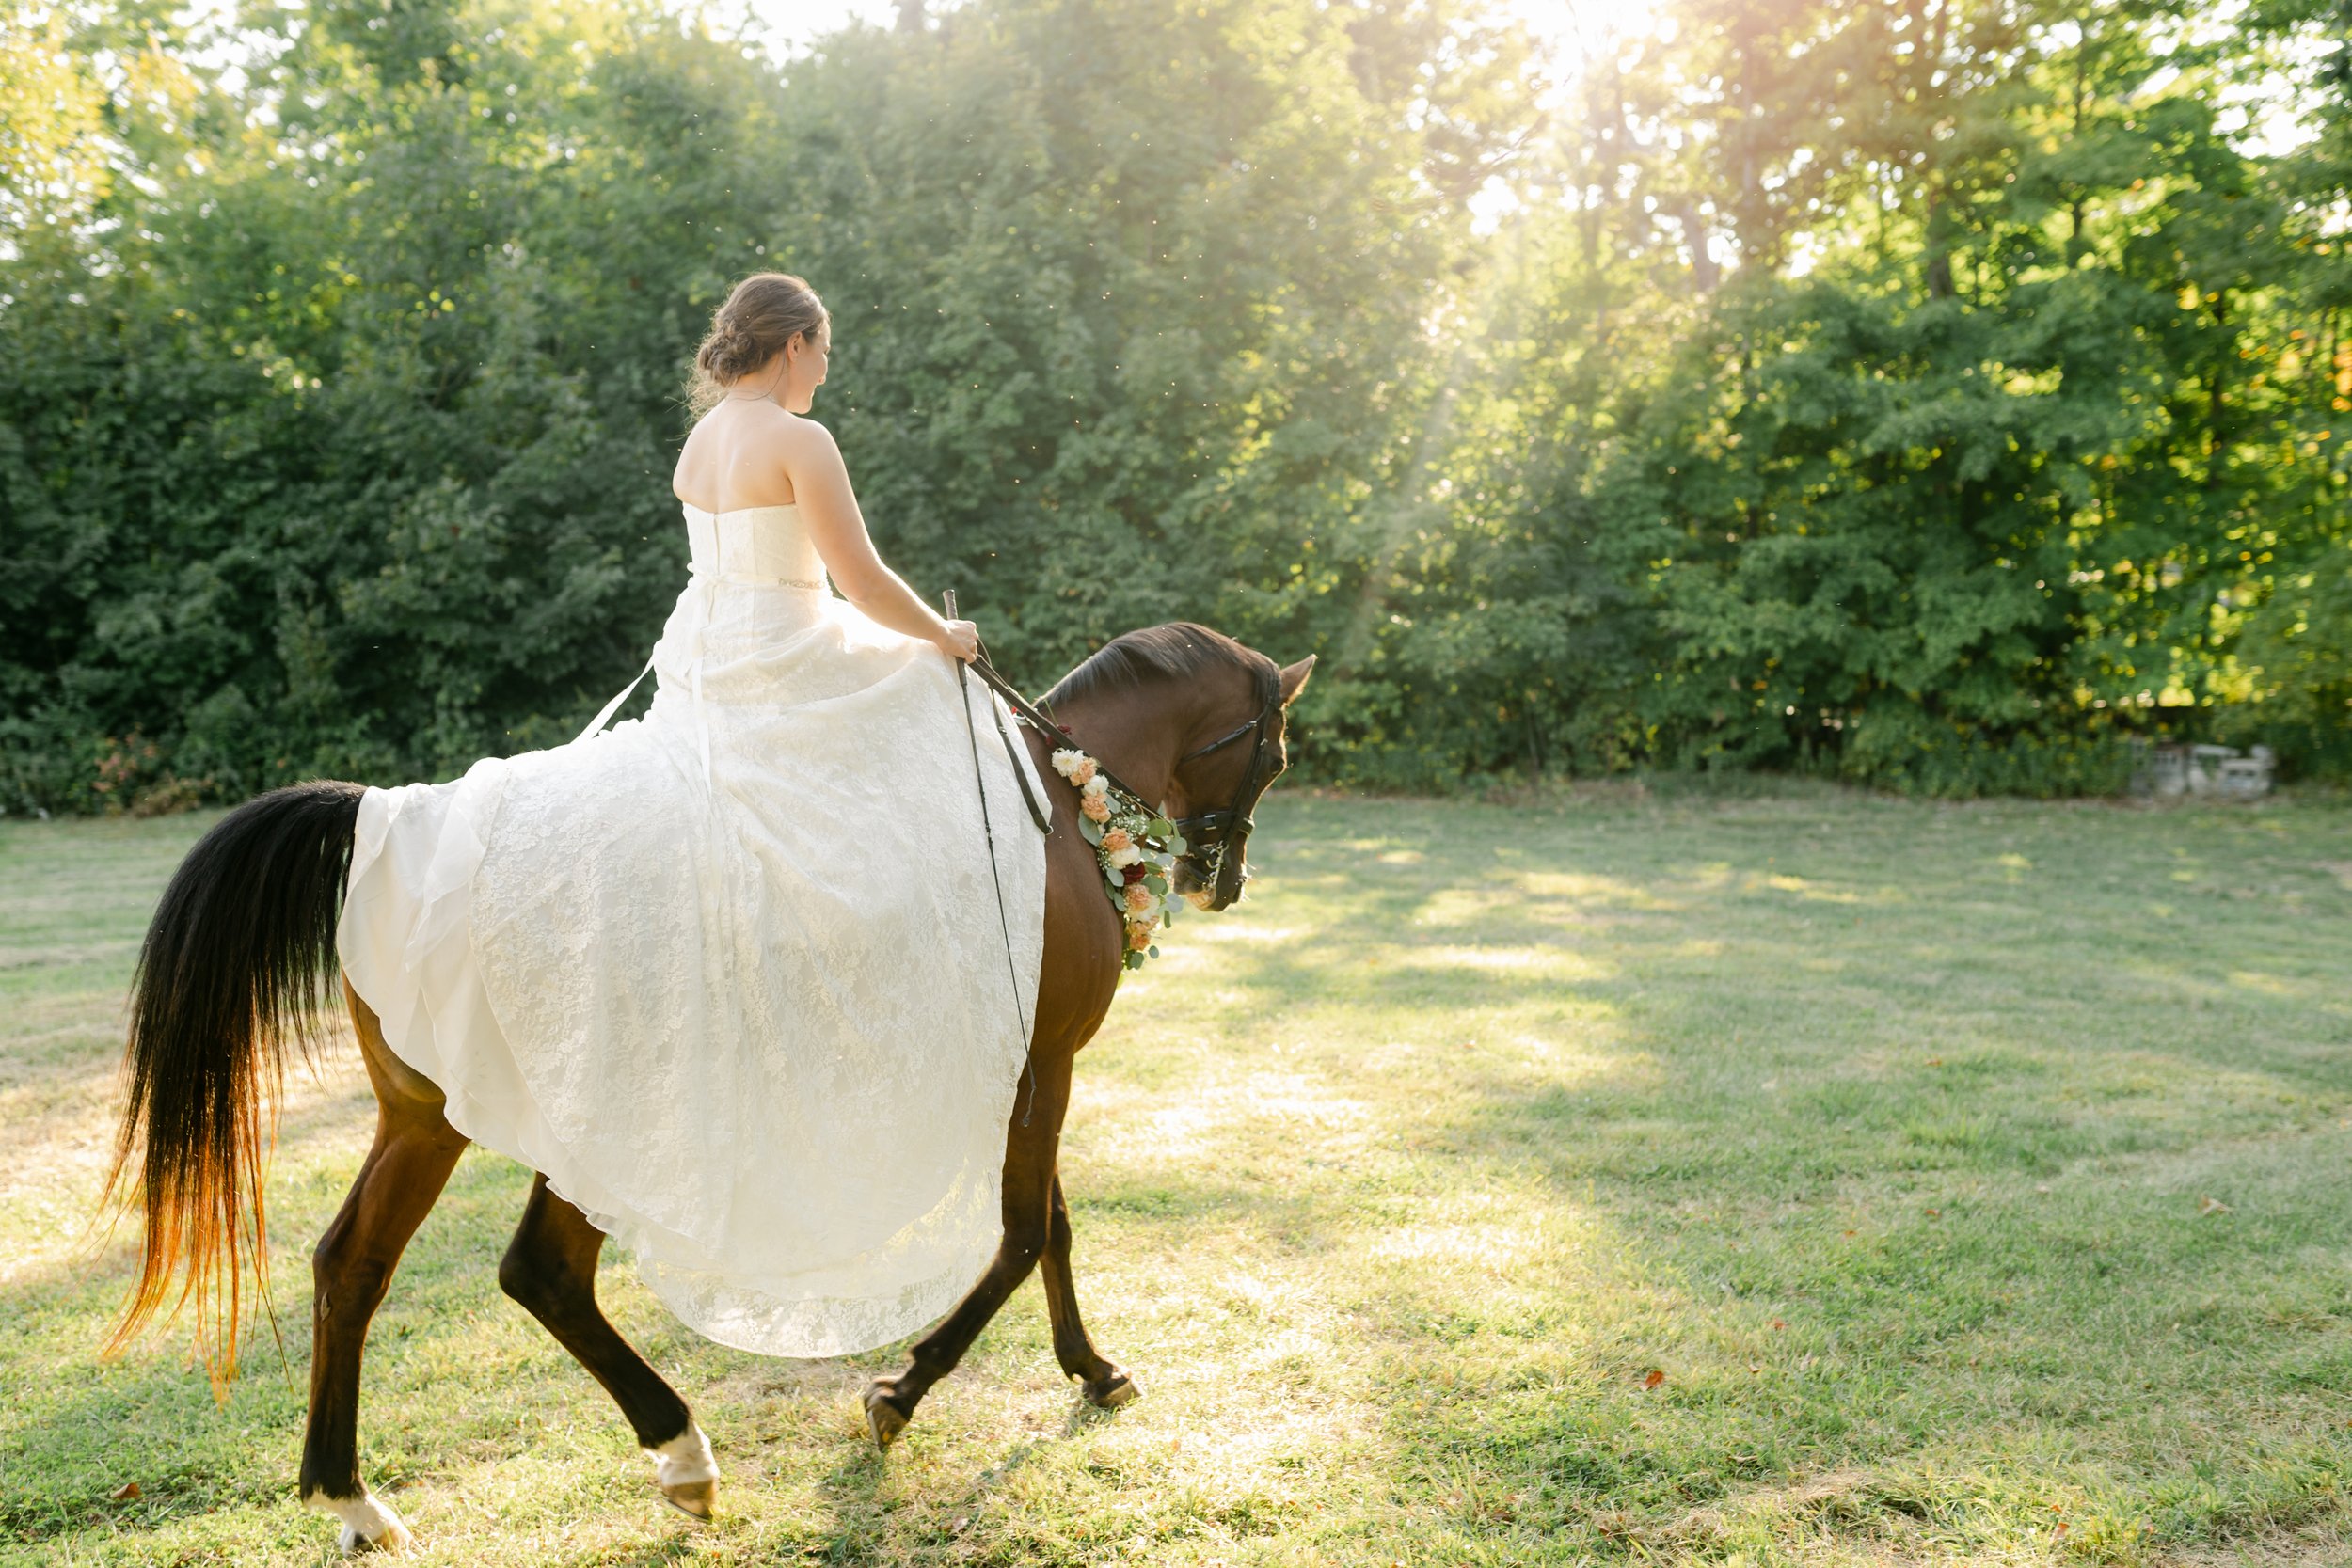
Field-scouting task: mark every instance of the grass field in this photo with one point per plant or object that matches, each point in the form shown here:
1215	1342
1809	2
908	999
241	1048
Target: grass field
1807	1179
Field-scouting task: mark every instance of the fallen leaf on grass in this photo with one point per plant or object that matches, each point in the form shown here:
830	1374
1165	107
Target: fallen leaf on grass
125	1493
1655	1378
1779	1323
2211	1206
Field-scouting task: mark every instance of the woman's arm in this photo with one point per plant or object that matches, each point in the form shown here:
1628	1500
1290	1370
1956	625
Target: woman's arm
820	486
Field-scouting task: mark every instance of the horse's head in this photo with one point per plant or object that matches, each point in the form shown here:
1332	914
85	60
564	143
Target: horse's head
1232	755
1228	703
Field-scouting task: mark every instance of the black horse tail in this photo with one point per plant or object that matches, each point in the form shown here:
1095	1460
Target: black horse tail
234	967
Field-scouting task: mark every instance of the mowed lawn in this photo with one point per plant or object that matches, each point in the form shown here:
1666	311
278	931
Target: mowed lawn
1809	1178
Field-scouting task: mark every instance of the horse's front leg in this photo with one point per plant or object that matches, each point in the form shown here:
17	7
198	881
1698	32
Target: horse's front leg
1107	1387
1029	1150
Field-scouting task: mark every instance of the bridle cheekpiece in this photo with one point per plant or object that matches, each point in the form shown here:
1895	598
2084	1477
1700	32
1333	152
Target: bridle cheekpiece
1210	834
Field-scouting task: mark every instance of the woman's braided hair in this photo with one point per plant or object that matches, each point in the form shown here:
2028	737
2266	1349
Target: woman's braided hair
761	314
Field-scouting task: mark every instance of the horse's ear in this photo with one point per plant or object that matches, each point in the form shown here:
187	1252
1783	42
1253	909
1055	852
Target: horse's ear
1294	678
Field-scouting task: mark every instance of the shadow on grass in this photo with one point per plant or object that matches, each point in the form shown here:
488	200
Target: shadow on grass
1916	1161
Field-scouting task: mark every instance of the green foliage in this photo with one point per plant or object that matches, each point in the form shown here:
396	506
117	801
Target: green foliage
2034	453
1926	392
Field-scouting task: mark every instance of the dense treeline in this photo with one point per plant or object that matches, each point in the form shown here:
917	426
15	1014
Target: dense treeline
1936	394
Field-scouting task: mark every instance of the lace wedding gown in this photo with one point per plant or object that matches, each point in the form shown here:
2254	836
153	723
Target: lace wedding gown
731	974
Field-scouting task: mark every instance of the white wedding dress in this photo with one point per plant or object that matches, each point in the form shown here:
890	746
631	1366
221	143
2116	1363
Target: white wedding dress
731	974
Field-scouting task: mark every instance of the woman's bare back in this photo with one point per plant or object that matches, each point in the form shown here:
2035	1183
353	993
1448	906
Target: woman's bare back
735	458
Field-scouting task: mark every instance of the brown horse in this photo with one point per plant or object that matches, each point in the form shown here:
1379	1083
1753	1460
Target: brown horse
232	972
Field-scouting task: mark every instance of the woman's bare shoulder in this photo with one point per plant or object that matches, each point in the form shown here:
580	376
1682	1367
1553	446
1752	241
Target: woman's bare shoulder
757	425
799	434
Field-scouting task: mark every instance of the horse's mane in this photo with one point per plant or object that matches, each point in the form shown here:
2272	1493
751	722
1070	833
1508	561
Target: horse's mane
1180	651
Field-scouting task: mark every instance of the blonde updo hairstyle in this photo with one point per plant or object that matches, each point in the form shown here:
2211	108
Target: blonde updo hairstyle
761	314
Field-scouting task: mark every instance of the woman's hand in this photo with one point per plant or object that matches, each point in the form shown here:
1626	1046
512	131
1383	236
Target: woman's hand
961	641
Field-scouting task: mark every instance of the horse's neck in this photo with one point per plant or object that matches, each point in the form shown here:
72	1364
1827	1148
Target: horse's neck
1134	733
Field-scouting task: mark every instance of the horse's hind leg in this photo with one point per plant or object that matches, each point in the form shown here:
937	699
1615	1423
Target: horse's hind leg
415	1150
550	1268
1107	1387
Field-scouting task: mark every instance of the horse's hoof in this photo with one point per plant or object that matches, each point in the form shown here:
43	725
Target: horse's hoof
686	1472
1109	1393
353	1544
368	1525
884	1420
694	1499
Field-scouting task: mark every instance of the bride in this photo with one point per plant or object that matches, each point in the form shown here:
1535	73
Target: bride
696	968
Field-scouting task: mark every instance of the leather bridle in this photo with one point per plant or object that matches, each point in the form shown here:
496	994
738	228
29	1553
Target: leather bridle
1213	840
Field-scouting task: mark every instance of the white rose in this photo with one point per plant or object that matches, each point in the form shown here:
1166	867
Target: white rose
1097	784
1122	858
1066	759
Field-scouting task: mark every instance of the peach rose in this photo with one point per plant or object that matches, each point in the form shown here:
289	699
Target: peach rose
1138	936
1082	772
1140	898
1116	840
1095	809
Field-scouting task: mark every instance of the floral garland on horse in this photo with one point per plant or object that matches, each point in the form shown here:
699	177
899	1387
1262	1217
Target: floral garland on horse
1136	846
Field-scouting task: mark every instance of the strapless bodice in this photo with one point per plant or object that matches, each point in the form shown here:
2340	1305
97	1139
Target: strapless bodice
762	546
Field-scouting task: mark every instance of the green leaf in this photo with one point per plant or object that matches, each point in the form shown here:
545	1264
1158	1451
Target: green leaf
1176	845
1162	827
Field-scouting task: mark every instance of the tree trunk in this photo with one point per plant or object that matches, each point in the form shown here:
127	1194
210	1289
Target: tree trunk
2082	94
2221	376
1939	267
1705	273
